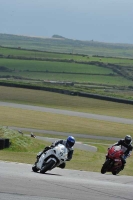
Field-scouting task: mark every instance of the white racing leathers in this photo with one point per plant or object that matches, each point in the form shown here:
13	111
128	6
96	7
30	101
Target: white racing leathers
51	159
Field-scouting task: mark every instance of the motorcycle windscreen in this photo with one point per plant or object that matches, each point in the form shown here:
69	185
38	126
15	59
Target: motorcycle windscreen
61	152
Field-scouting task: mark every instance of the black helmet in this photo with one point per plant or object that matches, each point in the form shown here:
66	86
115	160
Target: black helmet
128	139
70	141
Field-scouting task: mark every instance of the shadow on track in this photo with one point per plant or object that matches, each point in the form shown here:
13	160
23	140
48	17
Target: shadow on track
51	174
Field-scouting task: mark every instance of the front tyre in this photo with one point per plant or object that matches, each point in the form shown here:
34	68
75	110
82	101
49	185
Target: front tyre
47	166
105	167
116	171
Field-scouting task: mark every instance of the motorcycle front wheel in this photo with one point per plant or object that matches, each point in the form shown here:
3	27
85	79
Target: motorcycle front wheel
105	167
47	166
116	171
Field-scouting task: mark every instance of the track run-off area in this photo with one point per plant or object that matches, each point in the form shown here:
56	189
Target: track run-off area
69	113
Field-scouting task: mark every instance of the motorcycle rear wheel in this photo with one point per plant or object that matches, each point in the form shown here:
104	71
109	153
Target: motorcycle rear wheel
47	166
105	167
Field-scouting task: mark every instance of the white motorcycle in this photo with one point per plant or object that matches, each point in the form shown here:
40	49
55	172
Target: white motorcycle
51	158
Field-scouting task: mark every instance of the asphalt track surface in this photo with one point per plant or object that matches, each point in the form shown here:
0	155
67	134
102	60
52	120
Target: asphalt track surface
19	182
70	113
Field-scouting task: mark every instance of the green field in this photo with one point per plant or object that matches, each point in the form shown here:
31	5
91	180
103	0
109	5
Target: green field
47	66
34	54
100	75
61	71
67	46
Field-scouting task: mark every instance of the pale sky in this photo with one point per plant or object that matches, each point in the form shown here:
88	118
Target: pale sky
98	20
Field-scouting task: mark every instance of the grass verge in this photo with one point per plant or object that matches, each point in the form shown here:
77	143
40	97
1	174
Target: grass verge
62	123
24	149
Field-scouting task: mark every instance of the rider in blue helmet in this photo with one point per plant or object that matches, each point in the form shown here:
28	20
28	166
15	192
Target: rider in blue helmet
68	143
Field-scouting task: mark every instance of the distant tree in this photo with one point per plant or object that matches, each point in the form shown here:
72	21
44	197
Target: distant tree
58	36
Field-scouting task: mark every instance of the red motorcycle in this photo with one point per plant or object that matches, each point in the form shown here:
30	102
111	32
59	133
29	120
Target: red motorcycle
113	161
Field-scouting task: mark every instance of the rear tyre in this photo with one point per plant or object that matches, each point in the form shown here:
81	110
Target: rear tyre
34	168
47	166
105	167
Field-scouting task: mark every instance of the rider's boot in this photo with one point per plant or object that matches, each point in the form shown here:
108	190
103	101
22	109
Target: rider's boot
122	167
123	163
62	166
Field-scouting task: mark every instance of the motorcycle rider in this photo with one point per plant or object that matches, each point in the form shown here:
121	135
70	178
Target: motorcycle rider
68	143
126	145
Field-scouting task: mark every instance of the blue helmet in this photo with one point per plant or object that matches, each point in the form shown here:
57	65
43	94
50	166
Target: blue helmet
70	141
